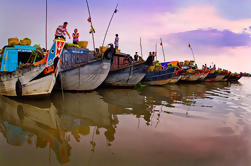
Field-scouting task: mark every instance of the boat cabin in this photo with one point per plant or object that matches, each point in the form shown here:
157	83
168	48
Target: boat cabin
121	60
13	56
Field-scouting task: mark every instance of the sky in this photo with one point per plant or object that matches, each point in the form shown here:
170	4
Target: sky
218	30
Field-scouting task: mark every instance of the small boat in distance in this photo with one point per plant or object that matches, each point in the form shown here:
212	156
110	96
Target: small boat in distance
22	75
234	77
191	73
161	74
125	72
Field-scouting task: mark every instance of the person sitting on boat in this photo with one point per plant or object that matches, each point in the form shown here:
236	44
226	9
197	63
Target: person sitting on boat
116	42
136	57
61	30
75	36
214	68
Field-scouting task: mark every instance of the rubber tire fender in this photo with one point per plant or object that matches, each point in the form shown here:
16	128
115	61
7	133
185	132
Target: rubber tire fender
19	89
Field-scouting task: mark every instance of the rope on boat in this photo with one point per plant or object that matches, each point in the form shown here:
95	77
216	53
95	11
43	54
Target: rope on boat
115	11
90	20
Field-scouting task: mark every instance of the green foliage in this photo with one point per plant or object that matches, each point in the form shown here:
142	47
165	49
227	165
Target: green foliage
139	86
170	65
26	38
71	45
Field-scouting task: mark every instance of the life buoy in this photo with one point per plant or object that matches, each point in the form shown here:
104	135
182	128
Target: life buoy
19	90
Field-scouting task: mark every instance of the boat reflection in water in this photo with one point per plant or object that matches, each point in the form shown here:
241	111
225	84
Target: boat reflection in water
36	123
115	125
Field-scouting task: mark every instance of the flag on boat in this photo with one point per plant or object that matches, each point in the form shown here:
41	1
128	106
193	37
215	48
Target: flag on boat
92	29
89	20
161	43
189	45
116	10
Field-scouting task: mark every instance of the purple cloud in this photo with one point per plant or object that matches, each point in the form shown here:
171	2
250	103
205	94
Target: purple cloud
210	38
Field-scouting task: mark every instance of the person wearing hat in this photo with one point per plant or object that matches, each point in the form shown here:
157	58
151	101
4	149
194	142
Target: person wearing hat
61	31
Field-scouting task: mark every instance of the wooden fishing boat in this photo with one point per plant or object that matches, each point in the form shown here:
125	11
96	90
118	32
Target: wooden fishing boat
163	77
211	76
19	77
234	77
203	75
83	70
227	76
125	72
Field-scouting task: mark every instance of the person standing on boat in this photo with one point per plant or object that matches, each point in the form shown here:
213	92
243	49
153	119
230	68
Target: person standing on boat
116	42
61	30
136	57
75	36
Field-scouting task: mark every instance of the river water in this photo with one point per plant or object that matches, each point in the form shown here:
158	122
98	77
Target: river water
177	125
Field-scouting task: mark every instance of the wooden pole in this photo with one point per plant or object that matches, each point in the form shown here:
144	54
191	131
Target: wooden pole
46	18
163	50
156	51
141	50
189	45
110	24
89	12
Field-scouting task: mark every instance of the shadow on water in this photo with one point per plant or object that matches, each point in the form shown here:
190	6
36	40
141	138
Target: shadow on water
56	122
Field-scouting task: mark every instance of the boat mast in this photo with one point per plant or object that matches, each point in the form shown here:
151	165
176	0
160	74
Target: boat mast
156	51
189	45
46	18
161	43
92	32
141	50
115	11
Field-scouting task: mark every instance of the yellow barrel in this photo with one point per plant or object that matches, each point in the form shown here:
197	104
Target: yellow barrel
151	69
117	50
186	62
25	42
103	49
190	71
13	41
191	63
83	44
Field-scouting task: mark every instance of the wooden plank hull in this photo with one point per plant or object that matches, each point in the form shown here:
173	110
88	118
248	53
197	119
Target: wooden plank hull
126	77
86	77
28	84
220	78
172	80
191	77
234	78
161	77
203	76
211	77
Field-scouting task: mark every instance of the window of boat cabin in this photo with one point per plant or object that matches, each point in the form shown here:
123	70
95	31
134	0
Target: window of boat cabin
13	56
24	56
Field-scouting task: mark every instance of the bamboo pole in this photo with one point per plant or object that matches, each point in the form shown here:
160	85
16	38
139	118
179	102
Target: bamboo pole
141	50
189	45
46	20
156	51
110	24
89	12
163	50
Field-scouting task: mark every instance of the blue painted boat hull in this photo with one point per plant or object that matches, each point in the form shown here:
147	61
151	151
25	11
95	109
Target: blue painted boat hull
161	77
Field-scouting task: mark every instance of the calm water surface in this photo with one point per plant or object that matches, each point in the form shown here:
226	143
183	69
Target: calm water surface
177	125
